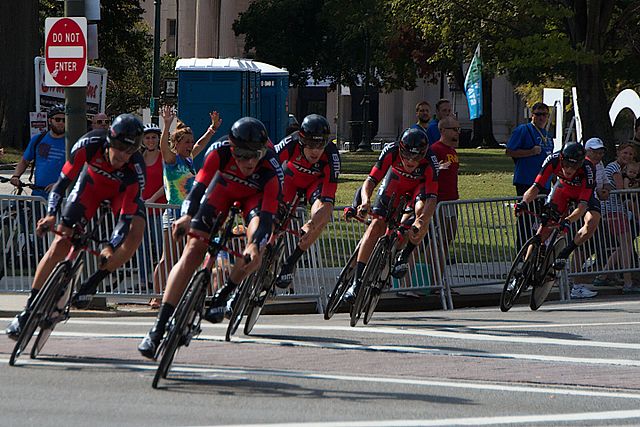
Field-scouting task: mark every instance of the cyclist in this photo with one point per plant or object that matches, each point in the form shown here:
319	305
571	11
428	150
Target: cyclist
115	172
241	169
311	164
407	166
575	182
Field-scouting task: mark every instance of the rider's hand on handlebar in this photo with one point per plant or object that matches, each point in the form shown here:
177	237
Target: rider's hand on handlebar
564	226
105	254
251	253
519	207
181	226
45	224
363	210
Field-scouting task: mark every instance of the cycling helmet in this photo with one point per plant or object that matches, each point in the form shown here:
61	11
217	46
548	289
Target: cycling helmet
314	130
414	141
248	133
125	133
573	154
56	109
152	127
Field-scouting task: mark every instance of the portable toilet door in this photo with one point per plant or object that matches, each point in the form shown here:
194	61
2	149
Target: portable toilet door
213	84
274	90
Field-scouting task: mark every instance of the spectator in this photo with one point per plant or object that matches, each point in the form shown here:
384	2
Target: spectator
636	140
595	152
528	146
443	109
178	175
100	121
47	152
618	220
445	151
423	114
153	193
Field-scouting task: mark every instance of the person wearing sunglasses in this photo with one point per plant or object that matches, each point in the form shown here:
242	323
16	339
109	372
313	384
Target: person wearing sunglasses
241	169
100	121
46	153
404	167
576	180
311	165
108	167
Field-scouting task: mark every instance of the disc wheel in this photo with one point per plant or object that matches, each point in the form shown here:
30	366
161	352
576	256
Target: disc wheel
268	275
344	281
547	275
369	276
518	276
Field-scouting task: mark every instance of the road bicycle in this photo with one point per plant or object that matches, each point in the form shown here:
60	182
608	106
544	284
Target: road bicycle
261	284
53	302
185	322
377	273
533	265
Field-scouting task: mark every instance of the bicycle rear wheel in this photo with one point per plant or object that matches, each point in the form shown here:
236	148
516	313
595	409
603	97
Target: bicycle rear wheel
547	275
369	276
519	275
344	281
266	280
180	325
41	308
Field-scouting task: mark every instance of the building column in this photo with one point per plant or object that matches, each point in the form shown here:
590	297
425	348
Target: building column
388	117
332	110
187	29
204	28
227	37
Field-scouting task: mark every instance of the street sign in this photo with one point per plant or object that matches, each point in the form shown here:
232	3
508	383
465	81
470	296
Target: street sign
65	51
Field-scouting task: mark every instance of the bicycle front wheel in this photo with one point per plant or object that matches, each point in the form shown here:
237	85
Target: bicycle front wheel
188	309
547	276
240	303
266	280
370	275
519	275
41	308
344	281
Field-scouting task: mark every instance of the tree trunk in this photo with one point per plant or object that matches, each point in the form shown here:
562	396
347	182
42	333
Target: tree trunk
483	126
19	36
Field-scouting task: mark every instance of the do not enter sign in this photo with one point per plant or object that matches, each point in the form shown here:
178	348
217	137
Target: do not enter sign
65	52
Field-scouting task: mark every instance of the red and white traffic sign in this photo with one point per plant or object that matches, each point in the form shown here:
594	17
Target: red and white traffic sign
65	51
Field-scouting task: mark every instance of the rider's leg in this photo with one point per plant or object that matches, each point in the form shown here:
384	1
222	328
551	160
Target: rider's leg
424	212
375	230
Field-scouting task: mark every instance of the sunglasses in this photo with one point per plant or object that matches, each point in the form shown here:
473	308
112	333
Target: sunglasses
539	114
408	155
126	148
102	122
571	165
246	154
58	119
455	129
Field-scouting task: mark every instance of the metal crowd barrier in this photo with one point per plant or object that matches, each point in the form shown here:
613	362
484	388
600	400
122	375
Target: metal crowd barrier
470	244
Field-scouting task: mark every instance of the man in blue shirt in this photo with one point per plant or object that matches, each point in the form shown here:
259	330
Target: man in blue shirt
423	114
528	146
48	154
443	109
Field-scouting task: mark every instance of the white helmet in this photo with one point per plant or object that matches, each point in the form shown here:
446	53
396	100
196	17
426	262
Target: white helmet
152	127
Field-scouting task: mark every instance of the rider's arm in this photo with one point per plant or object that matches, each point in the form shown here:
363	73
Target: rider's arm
331	173
271	195
192	203
285	148
70	171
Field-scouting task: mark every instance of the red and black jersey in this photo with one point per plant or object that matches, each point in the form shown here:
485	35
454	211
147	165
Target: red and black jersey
390	167
300	174
579	187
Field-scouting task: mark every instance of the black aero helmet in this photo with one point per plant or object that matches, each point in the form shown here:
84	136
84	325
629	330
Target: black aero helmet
414	141
248	133
125	133
573	154
56	109
315	128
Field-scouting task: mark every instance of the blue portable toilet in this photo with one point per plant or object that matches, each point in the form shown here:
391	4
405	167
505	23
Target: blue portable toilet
229	86
274	89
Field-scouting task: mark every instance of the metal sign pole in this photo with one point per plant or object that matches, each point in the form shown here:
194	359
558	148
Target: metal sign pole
75	97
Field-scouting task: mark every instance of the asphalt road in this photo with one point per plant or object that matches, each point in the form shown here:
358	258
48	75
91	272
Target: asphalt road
567	364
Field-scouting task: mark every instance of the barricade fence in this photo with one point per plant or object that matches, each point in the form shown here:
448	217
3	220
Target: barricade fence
470	243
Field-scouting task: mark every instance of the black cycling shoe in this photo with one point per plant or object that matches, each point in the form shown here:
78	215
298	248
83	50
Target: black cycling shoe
285	278
15	327
560	264
149	345
216	312
81	301
400	269
352	292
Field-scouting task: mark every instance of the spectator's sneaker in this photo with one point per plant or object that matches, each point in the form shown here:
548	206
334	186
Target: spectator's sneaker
149	345
15	327
400	269
579	292
631	290
216	312
352	292
560	264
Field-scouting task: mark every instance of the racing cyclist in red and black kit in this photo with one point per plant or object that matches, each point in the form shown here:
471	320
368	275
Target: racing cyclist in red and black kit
114	172
576	182
242	169
407	166
311	164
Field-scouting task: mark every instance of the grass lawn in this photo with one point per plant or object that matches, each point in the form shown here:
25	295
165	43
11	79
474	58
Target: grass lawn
484	173
11	155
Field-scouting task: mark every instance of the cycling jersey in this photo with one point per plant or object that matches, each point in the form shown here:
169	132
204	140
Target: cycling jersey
578	188
420	184
98	181
318	180
220	183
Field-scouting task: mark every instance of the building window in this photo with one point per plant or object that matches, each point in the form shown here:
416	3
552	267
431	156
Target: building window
172	25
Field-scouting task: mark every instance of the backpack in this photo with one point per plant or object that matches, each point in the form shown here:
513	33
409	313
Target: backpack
32	163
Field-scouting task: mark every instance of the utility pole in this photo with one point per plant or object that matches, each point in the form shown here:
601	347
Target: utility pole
75	97
155	84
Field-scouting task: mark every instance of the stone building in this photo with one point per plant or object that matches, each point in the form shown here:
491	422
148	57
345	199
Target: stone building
202	28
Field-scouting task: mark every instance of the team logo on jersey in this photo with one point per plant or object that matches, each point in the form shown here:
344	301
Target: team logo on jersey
239	180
